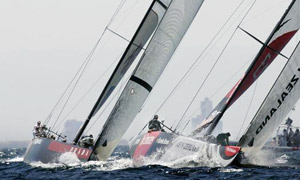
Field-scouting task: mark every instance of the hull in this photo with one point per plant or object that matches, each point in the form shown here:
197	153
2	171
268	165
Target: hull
167	147
47	150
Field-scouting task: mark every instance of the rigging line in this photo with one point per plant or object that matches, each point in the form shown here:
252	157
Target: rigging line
221	87
180	121
86	61
189	120
270	8
122	37
197	60
263	43
76	82
215	63
223	26
89	90
63	95
247	110
59	100
126	12
116	12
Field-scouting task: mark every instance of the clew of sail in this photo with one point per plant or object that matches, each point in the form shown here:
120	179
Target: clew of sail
280	100
140	38
161	47
283	32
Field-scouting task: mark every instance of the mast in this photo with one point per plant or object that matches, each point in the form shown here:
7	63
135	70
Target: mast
285	29
178	16
141	36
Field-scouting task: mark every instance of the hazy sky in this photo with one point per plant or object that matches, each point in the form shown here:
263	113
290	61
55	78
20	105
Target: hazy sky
43	43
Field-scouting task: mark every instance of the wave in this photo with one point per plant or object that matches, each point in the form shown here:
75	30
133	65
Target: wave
70	160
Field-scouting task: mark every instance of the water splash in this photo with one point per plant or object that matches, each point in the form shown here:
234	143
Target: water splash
169	159
282	159
69	159
230	170
16	159
112	164
261	158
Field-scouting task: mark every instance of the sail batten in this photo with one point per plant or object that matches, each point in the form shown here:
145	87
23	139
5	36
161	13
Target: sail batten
283	32
160	49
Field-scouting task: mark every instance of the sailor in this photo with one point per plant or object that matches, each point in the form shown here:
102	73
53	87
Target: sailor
43	129
86	141
284	138
36	130
223	139
154	124
291	137
297	138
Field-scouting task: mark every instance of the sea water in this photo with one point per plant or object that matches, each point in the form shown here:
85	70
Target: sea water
119	166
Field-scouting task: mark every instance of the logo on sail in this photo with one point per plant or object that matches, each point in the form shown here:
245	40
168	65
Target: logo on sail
280	100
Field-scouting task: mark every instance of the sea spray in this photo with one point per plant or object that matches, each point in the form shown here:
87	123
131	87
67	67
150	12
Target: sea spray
69	158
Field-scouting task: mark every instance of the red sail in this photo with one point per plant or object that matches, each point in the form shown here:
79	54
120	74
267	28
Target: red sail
283	32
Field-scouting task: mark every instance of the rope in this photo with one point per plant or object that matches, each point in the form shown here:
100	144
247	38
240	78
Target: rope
88	91
247	110
82	68
216	92
216	61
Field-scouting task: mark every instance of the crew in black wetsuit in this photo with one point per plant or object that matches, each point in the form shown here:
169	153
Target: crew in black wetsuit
154	124
223	139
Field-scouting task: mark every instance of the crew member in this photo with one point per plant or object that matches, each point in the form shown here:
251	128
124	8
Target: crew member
285	137
37	130
223	139
43	129
154	124
297	138
86	141
291	137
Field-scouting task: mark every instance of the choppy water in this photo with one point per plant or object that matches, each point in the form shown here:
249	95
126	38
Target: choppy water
120	167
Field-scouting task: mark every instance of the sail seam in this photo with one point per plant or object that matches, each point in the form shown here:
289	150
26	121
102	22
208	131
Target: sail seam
141	82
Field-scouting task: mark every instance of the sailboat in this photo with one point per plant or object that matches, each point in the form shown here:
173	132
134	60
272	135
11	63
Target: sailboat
162	29
284	143
150	143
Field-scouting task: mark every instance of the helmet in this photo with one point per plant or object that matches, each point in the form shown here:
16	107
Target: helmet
39	122
155	116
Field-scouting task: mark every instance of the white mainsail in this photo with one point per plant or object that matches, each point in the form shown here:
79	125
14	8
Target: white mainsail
160	49
278	103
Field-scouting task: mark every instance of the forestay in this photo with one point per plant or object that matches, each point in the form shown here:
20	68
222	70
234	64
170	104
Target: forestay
283	32
147	27
278	103
164	42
